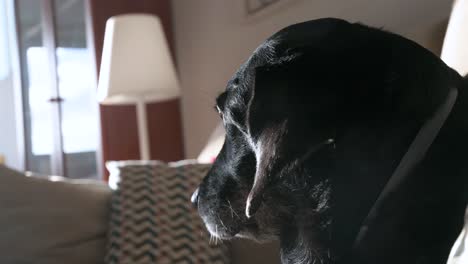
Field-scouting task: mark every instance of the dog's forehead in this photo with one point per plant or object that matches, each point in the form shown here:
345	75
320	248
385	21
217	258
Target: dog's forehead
263	55
233	102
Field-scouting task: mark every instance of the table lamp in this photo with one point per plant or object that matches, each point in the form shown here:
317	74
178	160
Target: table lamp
213	146
136	68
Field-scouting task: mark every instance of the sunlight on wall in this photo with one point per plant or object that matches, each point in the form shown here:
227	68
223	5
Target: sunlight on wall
4	58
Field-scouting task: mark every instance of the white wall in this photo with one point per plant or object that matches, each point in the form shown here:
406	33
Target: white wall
213	37
8	139
8	135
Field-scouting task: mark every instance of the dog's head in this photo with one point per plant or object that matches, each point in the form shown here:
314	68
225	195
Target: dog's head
316	107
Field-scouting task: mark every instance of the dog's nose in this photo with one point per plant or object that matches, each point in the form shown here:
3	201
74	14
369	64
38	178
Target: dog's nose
194	198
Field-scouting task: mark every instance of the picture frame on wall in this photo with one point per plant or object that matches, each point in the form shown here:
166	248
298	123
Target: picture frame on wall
259	9
255	6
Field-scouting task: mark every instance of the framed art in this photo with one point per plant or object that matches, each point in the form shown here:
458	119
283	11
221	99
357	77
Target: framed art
255	6
255	10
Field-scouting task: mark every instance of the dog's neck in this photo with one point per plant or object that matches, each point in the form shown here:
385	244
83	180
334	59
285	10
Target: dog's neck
300	246
301	241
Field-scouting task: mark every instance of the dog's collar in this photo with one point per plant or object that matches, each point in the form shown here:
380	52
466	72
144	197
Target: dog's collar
413	156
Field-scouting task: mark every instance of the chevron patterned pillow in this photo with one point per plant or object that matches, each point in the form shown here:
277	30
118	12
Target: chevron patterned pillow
152	220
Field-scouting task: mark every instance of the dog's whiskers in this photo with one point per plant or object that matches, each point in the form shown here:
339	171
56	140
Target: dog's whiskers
232	210
214	237
222	223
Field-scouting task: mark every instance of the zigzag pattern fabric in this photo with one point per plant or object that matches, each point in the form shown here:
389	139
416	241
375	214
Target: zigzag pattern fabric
152	220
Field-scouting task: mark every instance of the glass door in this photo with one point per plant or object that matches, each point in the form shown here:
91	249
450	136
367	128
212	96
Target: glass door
77	86
58	84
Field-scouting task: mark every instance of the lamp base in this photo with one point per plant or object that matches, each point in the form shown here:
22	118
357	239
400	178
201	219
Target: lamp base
143	138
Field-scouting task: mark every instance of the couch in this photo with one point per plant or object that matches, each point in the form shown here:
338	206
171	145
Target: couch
54	220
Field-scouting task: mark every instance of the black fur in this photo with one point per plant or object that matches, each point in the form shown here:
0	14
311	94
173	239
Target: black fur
316	122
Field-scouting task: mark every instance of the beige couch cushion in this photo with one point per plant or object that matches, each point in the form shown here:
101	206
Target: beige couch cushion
52	221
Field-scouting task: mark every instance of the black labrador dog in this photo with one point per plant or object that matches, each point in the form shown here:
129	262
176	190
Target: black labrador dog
347	143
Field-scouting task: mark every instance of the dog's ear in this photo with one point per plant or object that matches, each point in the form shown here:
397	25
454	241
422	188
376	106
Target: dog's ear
282	98
299	102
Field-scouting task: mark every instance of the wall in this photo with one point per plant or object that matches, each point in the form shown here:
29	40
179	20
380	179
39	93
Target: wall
8	135
213	37
8	140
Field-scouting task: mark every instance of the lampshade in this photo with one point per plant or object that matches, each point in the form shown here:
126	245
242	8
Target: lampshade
136	62
455	48
213	146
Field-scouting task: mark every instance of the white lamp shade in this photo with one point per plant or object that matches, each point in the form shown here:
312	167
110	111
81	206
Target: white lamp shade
136	62
455	48
213	146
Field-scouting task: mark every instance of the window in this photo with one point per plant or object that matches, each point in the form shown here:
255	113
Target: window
79	112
